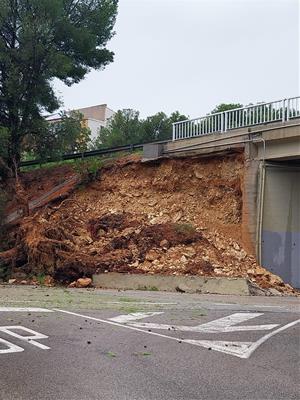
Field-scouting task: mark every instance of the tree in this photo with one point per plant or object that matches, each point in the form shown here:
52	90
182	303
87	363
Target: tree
41	40
68	135
127	128
4	139
156	127
226	107
159	126
124	128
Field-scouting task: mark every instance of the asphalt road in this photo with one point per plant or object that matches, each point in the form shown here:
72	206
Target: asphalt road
79	344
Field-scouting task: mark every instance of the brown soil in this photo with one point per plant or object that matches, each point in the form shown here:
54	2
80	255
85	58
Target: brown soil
179	216
39	182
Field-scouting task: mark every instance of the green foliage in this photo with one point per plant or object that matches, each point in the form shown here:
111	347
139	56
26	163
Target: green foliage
111	354
41	40
41	278
153	289
4	141
88	169
68	135
226	107
3	201
157	127
127	128
124	128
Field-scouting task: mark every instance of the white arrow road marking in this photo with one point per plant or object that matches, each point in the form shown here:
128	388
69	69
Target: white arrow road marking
226	324
239	349
23	309
29	339
123	319
233	348
243	353
11	348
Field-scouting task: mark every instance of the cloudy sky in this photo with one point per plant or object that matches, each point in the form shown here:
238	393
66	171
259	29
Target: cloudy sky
190	55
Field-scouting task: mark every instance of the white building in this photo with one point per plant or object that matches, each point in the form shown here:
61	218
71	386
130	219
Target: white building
94	117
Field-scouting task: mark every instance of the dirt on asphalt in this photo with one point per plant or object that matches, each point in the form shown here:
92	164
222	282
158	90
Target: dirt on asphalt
173	217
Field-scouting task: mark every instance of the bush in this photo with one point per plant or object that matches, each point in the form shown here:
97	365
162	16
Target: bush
88	169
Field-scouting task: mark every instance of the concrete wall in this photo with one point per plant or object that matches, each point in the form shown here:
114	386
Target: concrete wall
284	149
270	141
94	112
280	247
94	126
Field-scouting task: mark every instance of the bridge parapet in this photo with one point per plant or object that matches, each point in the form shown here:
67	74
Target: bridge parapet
263	113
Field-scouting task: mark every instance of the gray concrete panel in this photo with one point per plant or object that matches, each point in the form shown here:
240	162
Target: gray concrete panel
281	255
281	222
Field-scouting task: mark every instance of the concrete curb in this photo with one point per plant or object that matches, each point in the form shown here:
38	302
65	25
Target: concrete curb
188	284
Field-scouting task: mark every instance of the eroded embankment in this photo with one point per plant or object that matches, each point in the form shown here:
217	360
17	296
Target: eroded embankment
176	217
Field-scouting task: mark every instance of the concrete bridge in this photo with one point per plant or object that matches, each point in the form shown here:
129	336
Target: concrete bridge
271	187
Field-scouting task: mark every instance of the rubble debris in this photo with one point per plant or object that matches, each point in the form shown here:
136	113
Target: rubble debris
83	282
175	217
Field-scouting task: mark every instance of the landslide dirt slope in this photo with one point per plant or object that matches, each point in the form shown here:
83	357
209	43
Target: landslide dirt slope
37	183
177	216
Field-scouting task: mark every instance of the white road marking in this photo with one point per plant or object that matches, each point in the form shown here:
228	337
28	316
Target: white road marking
256	344
105	321
23	309
244	305
226	324
123	319
29	339
238	349
261	306
11	348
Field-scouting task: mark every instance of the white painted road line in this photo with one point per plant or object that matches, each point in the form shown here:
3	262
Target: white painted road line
10	347
23	309
256	344
123	319
9	330
226	324
119	325
238	349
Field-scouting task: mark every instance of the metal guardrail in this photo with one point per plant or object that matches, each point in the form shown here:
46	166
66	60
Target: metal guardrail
85	154
280	110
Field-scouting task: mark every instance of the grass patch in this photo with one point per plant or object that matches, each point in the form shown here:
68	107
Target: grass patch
110	354
128	299
130	309
185	228
199	313
148	288
41	278
153	289
74	163
145	354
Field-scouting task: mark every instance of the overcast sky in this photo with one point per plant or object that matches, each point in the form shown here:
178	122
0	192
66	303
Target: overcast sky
190	55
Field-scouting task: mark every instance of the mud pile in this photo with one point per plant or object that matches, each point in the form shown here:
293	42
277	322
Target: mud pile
173	217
